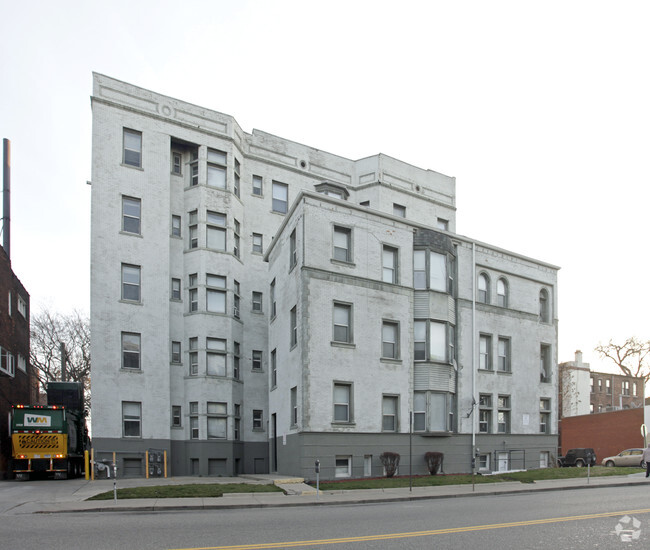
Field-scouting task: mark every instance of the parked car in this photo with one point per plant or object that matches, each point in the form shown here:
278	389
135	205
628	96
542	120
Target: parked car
578	458
628	457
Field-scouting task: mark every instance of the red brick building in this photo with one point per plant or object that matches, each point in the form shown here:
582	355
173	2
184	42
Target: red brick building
615	391
18	384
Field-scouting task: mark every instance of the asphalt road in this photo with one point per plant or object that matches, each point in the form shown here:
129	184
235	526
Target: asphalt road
597	518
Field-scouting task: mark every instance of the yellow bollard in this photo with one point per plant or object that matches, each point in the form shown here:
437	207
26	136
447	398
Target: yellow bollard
92	462
146	464
165	455
86	465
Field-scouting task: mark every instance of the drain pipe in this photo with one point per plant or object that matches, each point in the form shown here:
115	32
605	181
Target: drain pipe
6	203
474	402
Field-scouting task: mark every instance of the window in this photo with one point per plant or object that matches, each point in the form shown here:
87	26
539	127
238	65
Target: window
399	210
257	302
437	271
235	360
591	381
22	305
503	414
131	350
257	185
194	420
342	408
177	163
420	341
485	352
194	169
176	226
6	362
502	293
236	300
216	169
194	356
439	276
193	292
635	389
256	359
626	387
544	316
237	421
294	406
343	323
293	315
21	362
483	288
258	420
216	231
274	368
132	154
389	413
389	264
131	282
440	344
342	244
257	243
485	413
504	354
176	352
419	411
600	385
443	224
215	293
293	256
215	356
273	304
390	340
193	229
236	239
545	364
176	416
364	203
608	387
237	182
217	420
280	197
131	215
131	418
176	289
343	466
544	415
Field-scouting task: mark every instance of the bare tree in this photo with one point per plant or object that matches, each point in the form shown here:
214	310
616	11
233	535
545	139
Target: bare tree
51	333
632	357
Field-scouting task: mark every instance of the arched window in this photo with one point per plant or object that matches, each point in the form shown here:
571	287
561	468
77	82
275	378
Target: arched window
544	307
483	288
502	293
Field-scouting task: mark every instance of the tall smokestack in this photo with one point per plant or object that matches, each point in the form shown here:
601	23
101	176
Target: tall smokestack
6	203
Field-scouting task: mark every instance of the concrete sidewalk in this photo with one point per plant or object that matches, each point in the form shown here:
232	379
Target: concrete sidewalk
299	494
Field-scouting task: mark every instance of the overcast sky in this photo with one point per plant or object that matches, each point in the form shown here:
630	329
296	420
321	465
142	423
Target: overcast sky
541	110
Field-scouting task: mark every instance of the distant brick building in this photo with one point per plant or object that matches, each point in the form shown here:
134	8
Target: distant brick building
18	383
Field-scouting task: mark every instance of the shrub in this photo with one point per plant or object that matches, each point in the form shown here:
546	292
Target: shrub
390	462
434	462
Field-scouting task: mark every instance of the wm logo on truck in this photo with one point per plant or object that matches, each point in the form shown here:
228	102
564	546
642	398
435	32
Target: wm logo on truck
38	421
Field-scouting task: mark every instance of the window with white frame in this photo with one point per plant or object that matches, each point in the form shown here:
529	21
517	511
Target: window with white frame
176	352
257	302
483	288
217	161
626	387
131	282
342	323
443	224
257	185
438	345
502	292
131	350
215	293
256	360
420	340
389	417
545	363
176	289
258	245
343	466
194	419
293	256
544	415
608	387
293	317
237	178
503	414
294	406
21	305
280	199
485	413
389	264
194	355
635	389
236	239
194	168
236	299
431	271
193	229
390	340
21	362
342	402
193	292
217	414
216	356
591	384
132	152
177	163
7	362
433	341
131	419
258	420
131	211
177	416
236	360
485	352
503	346
342	244
419	411
176	226
216	231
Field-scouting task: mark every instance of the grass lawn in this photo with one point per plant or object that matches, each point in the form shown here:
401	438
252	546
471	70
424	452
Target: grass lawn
198	490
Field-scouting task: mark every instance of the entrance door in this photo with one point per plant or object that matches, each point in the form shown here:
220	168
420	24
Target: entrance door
502	461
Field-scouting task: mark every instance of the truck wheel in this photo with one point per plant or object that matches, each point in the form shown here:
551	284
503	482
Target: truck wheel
610	464
579	463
